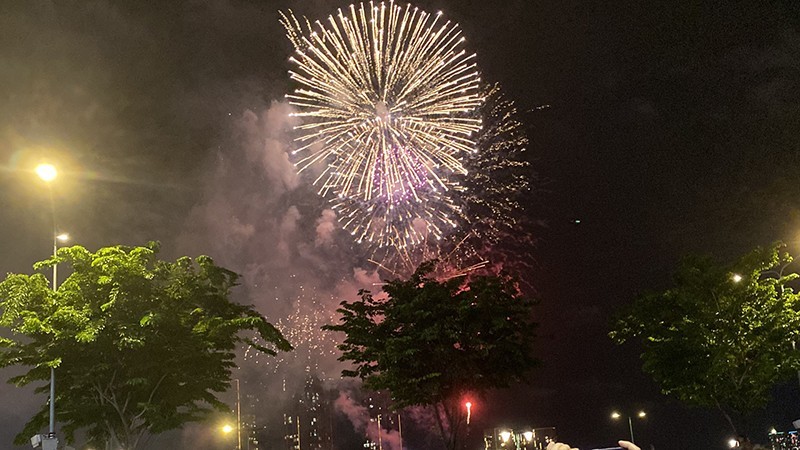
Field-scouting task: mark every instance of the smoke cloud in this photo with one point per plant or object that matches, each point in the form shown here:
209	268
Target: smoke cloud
356	413
360	418
326	225
258	218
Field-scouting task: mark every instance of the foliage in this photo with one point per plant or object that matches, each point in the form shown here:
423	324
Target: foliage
430	343
715	341
139	345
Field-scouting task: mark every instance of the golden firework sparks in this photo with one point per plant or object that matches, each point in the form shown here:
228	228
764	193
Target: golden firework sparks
389	100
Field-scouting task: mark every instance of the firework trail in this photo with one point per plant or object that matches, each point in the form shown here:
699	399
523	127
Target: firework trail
492	232
389	101
498	184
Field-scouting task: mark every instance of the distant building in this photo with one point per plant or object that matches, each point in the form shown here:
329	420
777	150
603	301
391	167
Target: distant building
383	423
307	423
518	438
250	422
784	441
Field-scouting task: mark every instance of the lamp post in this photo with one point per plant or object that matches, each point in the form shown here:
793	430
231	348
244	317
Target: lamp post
505	436
380	436
238	417
400	429
63	237
48	173
515	439
641	414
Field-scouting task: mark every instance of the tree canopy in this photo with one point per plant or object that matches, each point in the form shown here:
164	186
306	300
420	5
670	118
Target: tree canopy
431	342
723	335
139	345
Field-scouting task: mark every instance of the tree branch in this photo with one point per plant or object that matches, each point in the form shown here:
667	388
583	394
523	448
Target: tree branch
727	416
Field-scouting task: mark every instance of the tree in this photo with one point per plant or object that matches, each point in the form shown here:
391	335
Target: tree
722	336
430	343
140	345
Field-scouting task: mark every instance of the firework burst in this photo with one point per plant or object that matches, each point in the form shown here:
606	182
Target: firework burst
492	230
389	101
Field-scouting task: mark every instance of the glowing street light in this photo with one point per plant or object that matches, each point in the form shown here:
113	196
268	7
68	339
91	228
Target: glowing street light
46	172
522	438
227	428
736	278
505	435
641	414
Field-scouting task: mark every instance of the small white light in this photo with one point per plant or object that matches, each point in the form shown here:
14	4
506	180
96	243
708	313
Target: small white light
505	435
528	436
46	172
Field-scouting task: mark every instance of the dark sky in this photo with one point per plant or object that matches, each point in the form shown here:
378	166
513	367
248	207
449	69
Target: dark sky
672	128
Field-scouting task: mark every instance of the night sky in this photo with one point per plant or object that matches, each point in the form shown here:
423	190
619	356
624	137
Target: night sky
657	129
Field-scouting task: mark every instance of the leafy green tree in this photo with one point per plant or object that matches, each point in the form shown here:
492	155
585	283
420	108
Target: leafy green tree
139	345
432	342
722	336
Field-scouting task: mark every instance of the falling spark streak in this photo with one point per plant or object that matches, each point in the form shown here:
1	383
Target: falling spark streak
492	231
302	327
451	265
389	101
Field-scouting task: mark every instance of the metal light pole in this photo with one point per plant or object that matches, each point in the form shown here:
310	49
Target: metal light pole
48	173
380	438
794	347
238	417
615	415
56	237
630	426
52	433
400	429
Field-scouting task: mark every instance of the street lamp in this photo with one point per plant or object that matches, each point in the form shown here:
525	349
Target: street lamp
641	414
528	435
513	439
48	173
238	417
